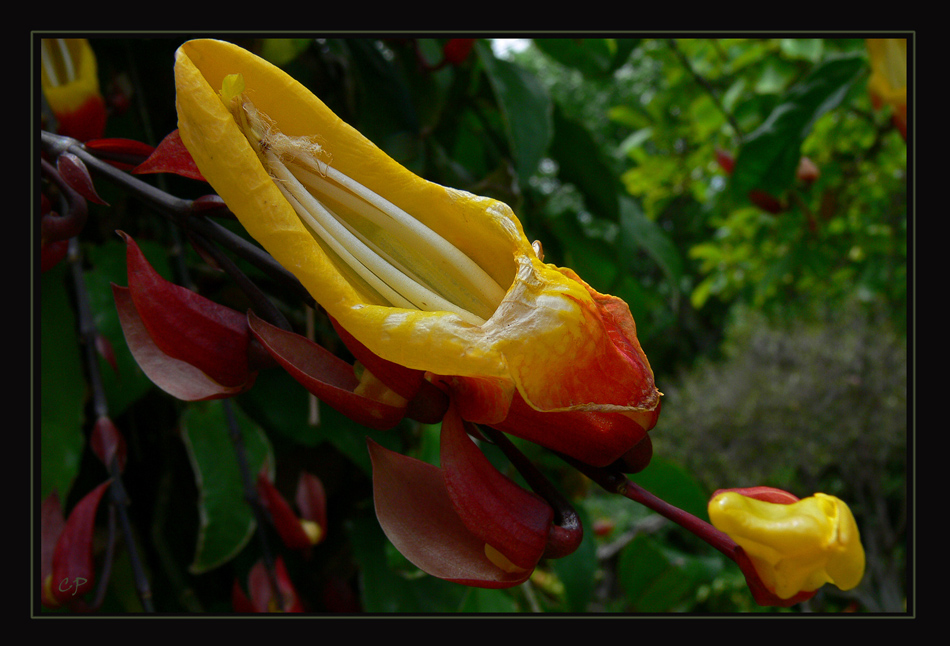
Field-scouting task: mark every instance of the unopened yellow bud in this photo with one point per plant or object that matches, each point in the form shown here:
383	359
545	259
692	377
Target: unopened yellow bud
794	547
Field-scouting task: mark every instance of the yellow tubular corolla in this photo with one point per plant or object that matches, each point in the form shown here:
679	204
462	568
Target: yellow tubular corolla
426	276
310	185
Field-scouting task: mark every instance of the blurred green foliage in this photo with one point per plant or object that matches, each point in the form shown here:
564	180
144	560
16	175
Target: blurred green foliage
609	151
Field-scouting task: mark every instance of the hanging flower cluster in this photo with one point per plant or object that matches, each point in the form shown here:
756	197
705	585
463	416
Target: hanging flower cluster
452	316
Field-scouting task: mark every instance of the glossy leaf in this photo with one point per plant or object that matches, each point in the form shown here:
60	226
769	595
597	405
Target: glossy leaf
526	107
61	396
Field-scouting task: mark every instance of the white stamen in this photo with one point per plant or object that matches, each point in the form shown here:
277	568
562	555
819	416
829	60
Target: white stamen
311	185
397	222
395	286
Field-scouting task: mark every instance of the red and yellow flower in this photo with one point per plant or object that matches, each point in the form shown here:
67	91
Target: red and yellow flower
795	545
70	83
433	279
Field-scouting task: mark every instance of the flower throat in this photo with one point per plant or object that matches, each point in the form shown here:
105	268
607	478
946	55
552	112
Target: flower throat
404	262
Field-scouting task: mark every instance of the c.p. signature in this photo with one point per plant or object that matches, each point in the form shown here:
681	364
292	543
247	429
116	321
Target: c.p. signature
65	585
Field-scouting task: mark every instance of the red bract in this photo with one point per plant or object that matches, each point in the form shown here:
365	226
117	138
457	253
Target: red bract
426	403
187	345
464	521
607	436
262	597
124	154
74	172
326	376
171	156
305	531
457	50
311	500
52	253
52	523
72	572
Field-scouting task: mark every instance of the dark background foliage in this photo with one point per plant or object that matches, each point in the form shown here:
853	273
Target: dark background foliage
778	338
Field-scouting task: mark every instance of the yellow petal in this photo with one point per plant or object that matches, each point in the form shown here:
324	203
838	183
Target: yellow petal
794	547
547	333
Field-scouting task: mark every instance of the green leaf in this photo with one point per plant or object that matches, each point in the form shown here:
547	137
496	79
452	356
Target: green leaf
226	522
638	232
591	56
581	163
592	258
62	388
526	108
387	113
578	571
770	155
658	579
483	600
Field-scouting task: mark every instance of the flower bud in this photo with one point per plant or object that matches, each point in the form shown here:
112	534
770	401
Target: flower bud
795	545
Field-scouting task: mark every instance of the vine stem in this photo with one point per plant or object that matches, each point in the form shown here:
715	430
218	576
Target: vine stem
185	213
117	495
253	500
614	481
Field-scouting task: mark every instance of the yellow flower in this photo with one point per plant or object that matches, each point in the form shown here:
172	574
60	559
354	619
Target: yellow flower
888	82
428	277
70	83
795	545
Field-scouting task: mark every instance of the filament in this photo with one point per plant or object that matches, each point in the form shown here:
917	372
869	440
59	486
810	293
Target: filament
347	216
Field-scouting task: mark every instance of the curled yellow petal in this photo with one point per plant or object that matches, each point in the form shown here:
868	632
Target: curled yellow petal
425	276
795	547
